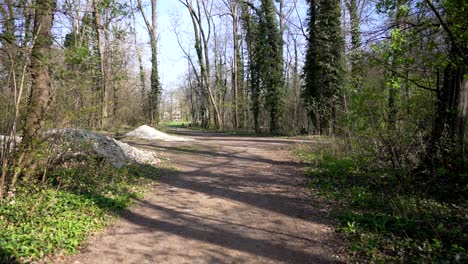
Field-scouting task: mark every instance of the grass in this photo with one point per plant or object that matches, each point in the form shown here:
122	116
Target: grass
176	124
166	126
38	220
382	223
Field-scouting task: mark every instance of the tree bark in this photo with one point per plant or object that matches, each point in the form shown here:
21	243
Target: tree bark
102	62
39	97
235	79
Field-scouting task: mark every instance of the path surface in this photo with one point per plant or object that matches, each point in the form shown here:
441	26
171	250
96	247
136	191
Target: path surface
234	200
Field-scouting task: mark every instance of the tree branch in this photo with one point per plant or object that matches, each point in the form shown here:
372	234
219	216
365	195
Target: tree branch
449	32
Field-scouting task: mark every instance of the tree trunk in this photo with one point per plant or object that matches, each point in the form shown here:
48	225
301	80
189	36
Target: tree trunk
452	110
235	61
154	98
101	53
41	85
140	64
356	54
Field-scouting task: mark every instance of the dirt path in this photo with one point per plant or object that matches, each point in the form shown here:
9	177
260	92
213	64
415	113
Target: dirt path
235	200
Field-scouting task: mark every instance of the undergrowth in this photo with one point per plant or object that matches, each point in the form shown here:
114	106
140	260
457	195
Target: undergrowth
383	222
39	219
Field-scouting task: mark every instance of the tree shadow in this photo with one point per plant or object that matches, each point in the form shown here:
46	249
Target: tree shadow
220	136
227	174
201	229
215	184
212	153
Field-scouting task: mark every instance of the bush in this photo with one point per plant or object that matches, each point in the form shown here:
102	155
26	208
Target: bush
382	222
38	219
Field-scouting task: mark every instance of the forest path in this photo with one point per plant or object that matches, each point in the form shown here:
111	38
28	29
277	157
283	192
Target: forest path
233	200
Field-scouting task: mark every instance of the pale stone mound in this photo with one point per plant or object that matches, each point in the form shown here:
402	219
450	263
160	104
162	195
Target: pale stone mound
147	132
80	143
8	138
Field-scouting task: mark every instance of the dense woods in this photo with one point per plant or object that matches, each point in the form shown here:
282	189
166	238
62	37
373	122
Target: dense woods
388	80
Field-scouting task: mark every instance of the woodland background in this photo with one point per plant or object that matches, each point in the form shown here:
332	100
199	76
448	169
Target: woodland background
386	78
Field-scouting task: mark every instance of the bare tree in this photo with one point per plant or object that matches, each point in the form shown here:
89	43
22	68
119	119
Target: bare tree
202	38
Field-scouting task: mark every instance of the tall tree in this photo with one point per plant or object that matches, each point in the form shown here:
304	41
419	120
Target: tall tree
356	51
250	26
233	8
452	96
323	63
99	28
39	97
270	45
155	92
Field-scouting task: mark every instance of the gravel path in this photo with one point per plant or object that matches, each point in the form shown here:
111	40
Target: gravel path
234	200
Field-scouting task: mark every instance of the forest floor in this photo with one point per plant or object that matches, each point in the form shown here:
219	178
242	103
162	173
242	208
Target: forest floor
232	200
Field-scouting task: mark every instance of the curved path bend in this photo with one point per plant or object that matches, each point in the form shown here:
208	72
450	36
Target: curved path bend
233	200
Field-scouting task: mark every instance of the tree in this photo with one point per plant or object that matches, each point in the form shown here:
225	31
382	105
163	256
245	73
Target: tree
452	97
99	28
323	63
140	60
233	9
356	51
39	97
251	26
202	38
271	64
155	92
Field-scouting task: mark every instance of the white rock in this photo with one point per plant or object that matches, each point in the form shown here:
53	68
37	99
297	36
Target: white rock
147	132
111	150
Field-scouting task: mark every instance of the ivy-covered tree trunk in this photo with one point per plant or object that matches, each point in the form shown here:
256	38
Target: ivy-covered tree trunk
271	63
155	90
356	52
452	110
323	66
40	59
448	135
396	55
155	86
250	26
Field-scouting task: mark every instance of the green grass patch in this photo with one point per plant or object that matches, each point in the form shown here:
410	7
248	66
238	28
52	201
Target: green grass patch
39	219
176	124
384	223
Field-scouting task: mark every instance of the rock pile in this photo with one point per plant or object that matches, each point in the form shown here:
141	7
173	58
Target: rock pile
147	132
82	142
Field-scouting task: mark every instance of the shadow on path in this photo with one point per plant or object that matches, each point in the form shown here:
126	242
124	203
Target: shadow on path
194	227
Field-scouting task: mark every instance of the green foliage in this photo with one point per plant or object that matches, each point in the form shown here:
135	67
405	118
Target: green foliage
40	219
323	68
269	46
383	223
